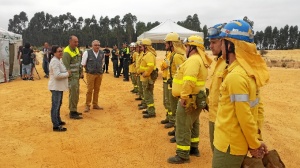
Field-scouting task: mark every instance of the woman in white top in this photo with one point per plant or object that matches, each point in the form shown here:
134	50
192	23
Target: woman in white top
57	84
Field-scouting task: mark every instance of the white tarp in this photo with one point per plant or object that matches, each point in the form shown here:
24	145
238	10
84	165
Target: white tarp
4	60
15	40
158	33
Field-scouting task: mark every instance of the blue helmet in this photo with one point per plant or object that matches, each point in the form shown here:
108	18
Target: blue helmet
238	29
214	32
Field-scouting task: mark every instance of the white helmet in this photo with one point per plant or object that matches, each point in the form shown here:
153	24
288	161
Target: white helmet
132	44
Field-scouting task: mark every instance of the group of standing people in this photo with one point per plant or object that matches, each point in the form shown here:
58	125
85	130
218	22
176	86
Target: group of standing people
65	71
233	98
235	108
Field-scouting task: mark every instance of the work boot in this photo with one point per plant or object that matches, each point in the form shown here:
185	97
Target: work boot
142	107
178	160
78	113
138	98
165	121
97	107
172	133
74	115
141	104
169	125
149	115
195	151
132	91
87	109
145	112
173	140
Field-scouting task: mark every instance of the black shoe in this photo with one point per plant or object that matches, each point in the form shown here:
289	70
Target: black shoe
139	98
106	72
125	80
78	113
165	121
149	115
173	140
172	133
75	115
131	90
142	107
169	125
145	112
62	123
194	152
59	129
178	160
46	76
141	104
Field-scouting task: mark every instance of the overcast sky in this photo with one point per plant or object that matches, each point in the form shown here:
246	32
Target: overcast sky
262	12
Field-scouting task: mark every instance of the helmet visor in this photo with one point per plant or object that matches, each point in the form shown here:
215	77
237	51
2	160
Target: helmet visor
213	31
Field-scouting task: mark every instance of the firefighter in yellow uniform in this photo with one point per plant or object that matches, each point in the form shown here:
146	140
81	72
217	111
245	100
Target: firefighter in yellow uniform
147	66
132	70
142	105
177	49
236	127
216	77
164	68
189	85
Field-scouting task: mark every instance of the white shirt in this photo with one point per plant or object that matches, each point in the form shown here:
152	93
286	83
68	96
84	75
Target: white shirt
85	56
58	75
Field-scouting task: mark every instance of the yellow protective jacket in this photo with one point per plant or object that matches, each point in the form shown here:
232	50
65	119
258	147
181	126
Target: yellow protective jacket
165	65
235	123
138	62
190	77
175	61
214	89
132	66
148	64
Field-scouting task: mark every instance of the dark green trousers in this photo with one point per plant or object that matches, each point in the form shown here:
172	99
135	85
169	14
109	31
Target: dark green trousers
148	87
166	99
173	104
133	78
73	93
226	160
211	127
140	89
187	130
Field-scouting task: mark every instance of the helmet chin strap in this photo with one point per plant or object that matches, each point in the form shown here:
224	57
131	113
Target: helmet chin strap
229	49
190	50
219	55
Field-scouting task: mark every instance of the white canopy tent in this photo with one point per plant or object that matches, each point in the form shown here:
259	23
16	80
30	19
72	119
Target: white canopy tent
9	44
158	33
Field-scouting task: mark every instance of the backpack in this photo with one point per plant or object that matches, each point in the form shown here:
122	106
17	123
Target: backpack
26	58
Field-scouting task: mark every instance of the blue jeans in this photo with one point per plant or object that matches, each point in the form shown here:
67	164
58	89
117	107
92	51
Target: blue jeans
46	66
55	109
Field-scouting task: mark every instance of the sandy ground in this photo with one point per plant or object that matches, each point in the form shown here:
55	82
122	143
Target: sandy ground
118	136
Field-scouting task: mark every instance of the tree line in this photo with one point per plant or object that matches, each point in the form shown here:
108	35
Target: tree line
44	27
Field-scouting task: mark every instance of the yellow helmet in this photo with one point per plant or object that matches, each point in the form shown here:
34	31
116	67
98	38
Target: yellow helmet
194	40
146	42
172	37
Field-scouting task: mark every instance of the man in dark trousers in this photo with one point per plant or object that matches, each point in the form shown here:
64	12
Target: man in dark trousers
106	54
46	59
126	57
115	60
